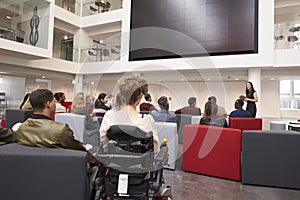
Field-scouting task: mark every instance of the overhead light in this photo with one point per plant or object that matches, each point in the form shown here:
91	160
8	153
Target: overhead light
272	79
43	76
66	37
236	79
101	42
8	17
182	79
92	83
73	81
208	79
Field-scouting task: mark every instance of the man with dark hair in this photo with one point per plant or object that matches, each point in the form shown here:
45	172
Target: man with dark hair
60	97
163	115
191	109
221	109
239	112
147	106
40	130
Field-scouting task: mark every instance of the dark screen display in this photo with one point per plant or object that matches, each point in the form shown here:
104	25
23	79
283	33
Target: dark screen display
187	28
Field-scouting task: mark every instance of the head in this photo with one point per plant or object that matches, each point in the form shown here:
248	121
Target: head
192	101
78	102
102	98
249	87
211	109
42	101
163	103
148	97
132	87
212	99
118	102
90	98
60	97
239	103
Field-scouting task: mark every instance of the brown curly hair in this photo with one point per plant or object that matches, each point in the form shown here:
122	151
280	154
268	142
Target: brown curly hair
131	87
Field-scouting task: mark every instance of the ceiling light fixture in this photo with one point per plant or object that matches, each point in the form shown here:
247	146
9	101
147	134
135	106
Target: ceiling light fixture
8	17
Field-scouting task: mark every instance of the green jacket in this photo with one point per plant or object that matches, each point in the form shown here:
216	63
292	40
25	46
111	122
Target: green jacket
47	133
7	135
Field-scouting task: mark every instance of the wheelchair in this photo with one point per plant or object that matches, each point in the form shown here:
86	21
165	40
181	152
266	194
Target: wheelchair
129	168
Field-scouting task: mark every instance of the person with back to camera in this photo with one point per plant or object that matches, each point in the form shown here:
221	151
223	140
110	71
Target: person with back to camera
25	105
60	97
239	112
131	89
100	104
7	135
79	107
211	118
40	130
251	98
147	106
163	115
191	109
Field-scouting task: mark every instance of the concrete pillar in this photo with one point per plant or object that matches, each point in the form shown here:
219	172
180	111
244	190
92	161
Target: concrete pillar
78	83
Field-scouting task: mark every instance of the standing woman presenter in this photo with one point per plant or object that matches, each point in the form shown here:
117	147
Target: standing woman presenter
251	98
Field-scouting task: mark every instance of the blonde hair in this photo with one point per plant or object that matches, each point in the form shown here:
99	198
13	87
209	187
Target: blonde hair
78	101
131	87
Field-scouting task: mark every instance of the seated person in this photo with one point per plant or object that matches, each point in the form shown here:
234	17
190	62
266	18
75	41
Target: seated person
60	97
147	106
239	112
191	109
79	107
131	90
100	104
211	117
163	115
221	109
7	135
40	130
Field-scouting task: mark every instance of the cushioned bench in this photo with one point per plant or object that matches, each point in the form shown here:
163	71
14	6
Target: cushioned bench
35	173
271	158
213	151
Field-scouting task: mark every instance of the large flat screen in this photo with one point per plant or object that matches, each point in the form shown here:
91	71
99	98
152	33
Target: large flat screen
187	28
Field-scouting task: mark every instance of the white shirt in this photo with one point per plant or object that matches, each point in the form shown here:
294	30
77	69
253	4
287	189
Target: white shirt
60	108
126	117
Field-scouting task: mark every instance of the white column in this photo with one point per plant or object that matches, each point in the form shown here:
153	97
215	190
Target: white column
254	76
78	83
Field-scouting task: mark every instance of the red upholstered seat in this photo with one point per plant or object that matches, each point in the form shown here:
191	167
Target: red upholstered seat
3	122
67	104
213	151
245	123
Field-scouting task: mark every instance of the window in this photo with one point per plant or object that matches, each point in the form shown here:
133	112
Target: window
290	94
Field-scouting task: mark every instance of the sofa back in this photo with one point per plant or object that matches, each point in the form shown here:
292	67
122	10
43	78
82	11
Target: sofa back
213	151
245	123
14	116
271	158
182	120
42	173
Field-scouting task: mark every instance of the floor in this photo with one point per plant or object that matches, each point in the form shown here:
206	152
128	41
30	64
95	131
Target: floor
193	186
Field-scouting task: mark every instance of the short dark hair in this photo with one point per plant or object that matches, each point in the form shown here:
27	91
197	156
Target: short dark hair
212	99
38	99
192	100
58	95
163	103
238	103
147	97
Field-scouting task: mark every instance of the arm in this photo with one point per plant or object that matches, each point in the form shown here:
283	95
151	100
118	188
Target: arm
7	135
68	141
253	100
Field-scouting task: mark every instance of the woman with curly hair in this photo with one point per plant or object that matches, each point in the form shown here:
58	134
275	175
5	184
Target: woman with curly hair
131	90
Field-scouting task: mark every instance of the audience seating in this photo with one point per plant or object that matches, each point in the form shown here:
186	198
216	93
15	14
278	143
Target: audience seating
14	116
245	123
3	122
43	173
271	158
77	124
182	120
67	104
169	130
213	151
196	119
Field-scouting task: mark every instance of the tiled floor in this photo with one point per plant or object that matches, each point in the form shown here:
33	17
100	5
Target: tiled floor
191	186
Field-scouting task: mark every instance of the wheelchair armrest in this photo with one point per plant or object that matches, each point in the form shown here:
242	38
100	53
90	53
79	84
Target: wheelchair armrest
161	158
